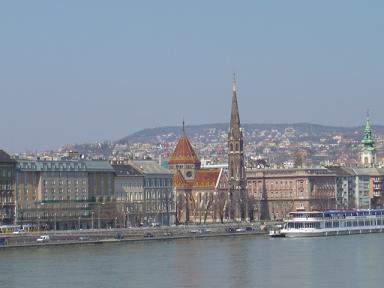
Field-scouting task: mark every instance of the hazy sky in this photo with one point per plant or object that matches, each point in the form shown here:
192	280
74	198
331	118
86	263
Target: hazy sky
82	71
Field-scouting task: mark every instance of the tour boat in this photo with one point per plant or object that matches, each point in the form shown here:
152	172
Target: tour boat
275	231
329	223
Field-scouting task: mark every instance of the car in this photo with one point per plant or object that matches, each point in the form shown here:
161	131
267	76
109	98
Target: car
18	232
43	238
241	230
148	235
84	238
155	224
230	229
119	236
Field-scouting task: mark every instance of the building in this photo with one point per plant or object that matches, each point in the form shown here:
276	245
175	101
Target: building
129	193
159	203
359	188
52	194
7	188
104	213
273	193
236	168
68	194
202	194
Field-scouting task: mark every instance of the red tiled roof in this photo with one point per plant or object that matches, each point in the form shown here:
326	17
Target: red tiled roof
180	182
206	178
184	153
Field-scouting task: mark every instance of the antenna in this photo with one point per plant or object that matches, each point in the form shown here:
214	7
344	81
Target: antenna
183	126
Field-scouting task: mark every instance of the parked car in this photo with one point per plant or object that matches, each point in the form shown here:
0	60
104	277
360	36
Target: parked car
18	232
84	238
230	229
241	230
148	235
119	236
3	241
43	238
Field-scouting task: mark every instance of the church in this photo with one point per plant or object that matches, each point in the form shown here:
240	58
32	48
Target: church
210	195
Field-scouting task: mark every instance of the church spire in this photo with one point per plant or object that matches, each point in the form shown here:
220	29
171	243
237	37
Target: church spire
368	153
235	118
368	140
234	82
236	169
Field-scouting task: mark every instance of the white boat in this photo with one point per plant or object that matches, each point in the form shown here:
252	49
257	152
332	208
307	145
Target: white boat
275	231
330	223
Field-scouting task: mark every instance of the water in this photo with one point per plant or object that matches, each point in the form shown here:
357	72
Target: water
344	261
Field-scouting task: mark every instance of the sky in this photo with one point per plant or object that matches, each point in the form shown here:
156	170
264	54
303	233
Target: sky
85	71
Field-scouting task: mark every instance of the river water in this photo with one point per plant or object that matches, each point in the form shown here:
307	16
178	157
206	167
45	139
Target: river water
256	261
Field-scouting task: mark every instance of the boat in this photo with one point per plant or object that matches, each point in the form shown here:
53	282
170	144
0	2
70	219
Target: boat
331	223
275	231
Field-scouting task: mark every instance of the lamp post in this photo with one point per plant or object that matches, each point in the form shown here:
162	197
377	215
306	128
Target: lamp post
79	222
115	222
98	217
92	218
55	221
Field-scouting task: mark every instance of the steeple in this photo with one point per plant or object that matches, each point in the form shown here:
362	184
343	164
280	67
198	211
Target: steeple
236	168
368	152
235	118
368	140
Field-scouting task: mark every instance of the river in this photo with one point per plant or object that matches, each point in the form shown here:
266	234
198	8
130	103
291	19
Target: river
253	261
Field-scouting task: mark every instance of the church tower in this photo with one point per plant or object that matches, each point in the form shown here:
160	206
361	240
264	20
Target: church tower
368	153
236	169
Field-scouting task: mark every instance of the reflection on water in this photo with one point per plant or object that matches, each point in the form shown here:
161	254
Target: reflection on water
350	261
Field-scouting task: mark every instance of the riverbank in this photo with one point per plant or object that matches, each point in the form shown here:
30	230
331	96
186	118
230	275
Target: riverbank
104	236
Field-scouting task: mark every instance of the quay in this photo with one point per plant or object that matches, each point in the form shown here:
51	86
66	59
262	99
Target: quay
137	234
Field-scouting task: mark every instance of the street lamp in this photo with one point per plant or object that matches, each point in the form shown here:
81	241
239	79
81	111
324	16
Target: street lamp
79	222
115	222
98	218
92	218
55	221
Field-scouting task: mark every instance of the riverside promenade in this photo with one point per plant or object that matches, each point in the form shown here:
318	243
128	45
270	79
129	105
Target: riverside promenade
101	236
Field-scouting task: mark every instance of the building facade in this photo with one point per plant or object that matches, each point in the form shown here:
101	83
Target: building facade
7	189
52	194
159	203
129	191
201	194
273	193
102	204
359	188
